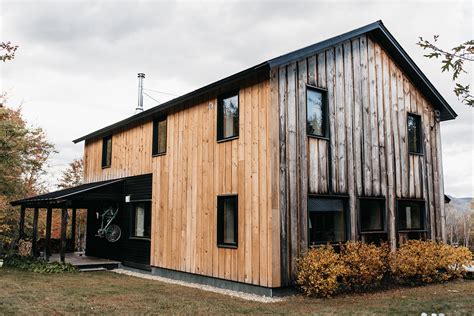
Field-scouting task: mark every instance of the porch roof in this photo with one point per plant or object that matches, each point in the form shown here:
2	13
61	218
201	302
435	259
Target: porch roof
102	190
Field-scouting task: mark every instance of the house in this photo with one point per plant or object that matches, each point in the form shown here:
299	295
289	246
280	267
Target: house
229	184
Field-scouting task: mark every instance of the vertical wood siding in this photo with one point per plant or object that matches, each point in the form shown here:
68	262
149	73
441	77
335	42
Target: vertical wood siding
190	176
366	153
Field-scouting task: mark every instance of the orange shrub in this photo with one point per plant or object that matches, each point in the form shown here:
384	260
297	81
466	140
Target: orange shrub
427	261
319	271
365	264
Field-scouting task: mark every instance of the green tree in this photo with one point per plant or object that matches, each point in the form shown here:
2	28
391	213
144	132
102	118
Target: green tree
453	61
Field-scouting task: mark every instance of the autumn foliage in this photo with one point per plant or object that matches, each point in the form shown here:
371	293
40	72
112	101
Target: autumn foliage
357	266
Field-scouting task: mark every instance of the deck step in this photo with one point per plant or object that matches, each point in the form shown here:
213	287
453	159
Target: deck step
92	269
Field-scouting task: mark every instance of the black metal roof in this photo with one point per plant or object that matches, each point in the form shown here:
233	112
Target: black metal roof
376	29
61	196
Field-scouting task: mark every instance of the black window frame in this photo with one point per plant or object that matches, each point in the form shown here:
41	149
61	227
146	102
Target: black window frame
423	215
325	121
147	208
382	202
104	163
220	221
419	134
346	216
155	151
220	116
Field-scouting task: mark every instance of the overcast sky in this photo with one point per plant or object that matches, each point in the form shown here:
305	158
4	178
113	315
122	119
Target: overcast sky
76	67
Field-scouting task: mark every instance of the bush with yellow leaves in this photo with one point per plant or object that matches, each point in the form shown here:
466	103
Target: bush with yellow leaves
366	264
320	271
419	261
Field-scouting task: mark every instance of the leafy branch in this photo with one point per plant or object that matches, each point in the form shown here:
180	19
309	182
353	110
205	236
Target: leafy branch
453	61
7	51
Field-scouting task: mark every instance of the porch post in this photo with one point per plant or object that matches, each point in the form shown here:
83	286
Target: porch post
21	224
47	249
62	250
73	229
34	250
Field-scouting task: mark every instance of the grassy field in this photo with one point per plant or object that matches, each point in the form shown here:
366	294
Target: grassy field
107	292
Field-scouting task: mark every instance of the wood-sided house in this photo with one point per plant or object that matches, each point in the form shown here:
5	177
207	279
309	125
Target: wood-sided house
230	183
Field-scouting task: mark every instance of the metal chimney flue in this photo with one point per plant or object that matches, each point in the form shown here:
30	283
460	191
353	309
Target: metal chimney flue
139	108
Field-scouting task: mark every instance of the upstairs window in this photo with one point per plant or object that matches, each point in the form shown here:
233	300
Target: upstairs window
411	215
107	151
228	116
327	220
316	112
372	215
414	133
227	221
140	219
159	136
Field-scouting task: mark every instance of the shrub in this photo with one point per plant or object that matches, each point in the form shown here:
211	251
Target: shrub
427	261
319	272
365	264
37	265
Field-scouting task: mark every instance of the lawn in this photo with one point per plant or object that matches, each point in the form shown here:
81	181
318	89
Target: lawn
107	292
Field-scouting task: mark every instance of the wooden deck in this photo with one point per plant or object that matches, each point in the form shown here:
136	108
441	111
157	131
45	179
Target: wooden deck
83	262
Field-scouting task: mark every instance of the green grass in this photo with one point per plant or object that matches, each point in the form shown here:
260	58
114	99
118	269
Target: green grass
110	293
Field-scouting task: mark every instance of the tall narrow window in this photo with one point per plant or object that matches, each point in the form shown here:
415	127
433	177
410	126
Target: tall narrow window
316	112
140	220
227	221
372	215
159	136
414	133
228	116
107	151
411	215
326	220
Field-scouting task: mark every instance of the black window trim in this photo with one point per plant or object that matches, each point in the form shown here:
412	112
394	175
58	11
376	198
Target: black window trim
347	219
219	116
104	151
384	214
424	216
419	134
219	230
324	93
154	144
132	205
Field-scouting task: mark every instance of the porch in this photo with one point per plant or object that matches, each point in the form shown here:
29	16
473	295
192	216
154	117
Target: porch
86	263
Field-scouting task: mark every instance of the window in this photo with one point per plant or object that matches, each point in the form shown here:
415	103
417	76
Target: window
159	136
316	112
227	221
411	215
228	117
107	151
140	219
372	215
327	221
414	133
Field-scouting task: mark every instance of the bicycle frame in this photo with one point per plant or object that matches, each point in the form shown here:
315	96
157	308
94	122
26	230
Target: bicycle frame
110	215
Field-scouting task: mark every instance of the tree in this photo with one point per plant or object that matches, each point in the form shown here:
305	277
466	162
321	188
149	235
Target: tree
453	61
73	175
8	51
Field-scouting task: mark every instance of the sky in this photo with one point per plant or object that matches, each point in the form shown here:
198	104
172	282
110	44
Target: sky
76	67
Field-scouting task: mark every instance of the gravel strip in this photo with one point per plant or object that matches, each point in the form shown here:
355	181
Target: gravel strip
242	295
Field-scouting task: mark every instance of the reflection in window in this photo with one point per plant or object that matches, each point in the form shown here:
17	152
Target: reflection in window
414	133
227	220
107	151
326	220
372	215
410	215
315	112
228	117
159	136
140	218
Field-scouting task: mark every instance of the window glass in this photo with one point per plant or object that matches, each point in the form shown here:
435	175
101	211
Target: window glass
141	220
228	116
315	115
159	136
372	215
414	133
227	220
106	151
410	215
326	220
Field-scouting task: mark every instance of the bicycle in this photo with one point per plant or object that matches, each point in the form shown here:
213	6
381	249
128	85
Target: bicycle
111	232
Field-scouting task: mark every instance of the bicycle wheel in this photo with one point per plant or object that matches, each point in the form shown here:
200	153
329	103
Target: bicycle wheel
113	233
